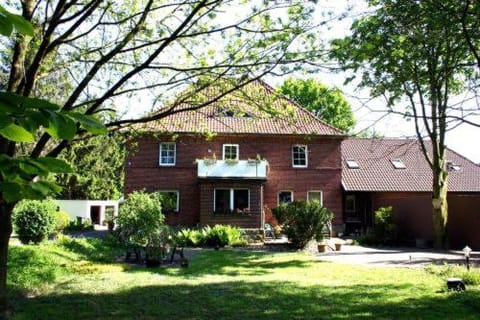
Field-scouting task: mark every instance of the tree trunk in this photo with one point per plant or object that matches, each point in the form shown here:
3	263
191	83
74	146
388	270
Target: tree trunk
5	232
440	208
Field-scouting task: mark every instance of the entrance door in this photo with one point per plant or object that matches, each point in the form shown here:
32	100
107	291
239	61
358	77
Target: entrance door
95	214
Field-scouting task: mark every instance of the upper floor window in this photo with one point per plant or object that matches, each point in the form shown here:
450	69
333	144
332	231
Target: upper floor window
167	153
230	152
299	156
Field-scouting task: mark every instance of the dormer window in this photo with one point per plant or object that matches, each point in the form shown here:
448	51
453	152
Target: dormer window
352	164
398	164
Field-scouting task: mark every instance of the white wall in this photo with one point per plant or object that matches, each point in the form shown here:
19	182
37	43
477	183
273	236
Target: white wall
81	208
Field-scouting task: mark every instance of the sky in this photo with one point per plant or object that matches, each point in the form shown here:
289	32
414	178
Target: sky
464	139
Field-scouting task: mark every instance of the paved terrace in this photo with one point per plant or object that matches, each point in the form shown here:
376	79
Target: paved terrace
397	257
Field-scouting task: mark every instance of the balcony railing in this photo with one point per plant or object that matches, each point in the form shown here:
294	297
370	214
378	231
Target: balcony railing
241	169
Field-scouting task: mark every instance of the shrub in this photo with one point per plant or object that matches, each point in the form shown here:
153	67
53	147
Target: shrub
79	225
219	235
303	221
384	225
62	220
34	220
139	217
157	245
216	236
469	277
189	237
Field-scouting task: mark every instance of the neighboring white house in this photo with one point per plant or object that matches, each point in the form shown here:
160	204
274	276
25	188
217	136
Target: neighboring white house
94	210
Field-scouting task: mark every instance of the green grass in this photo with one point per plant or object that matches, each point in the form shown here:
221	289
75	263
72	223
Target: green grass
226	284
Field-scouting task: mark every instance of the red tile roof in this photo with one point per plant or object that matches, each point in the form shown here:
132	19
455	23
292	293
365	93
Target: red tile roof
377	173
248	116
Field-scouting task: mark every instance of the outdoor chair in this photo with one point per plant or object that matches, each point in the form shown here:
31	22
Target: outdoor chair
268	230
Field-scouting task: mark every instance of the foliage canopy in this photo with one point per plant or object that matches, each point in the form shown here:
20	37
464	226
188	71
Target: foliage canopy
329	104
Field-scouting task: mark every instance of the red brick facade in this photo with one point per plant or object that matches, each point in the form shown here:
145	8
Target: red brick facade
413	215
323	173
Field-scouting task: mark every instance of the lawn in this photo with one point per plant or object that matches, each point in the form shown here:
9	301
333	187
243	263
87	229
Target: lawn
75	280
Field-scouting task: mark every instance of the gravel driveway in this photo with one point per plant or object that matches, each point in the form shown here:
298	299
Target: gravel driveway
396	257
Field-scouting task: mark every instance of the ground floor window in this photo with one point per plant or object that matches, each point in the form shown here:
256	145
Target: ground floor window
315	196
285	197
350	203
169	200
231	200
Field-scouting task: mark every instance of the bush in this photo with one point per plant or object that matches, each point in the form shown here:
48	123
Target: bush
80	225
139	217
383	231
158	242
34	220
303	221
62	220
384	225
469	277
216	236
189	237
219	235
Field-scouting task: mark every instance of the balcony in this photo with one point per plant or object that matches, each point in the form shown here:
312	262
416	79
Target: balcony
228	169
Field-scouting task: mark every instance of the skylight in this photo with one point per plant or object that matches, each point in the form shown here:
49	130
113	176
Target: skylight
352	164
452	166
398	164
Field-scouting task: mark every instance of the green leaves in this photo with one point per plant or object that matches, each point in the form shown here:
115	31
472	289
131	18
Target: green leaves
20	120
16	133
89	123
17	176
9	21
329	104
21	117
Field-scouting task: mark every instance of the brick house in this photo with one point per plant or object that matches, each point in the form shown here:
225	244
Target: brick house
231	162
393	172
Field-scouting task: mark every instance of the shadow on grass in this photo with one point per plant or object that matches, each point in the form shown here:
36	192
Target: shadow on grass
251	300
94	250
27	267
233	263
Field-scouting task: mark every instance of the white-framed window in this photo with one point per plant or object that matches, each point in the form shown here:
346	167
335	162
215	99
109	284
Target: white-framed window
285	197
167	153
350	203
230	152
170	200
228	200
299	156
315	195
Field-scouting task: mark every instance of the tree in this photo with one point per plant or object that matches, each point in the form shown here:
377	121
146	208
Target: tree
329	104
414	53
20	176
95	58
98	168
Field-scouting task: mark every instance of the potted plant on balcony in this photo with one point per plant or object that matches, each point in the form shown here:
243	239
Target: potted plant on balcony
254	161
231	162
209	161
